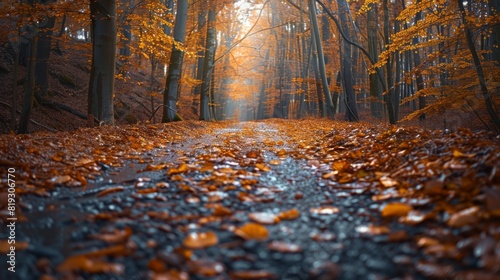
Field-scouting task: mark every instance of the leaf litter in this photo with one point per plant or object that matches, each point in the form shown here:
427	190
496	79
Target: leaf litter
221	199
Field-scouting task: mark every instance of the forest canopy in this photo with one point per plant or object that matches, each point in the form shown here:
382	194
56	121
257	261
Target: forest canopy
109	62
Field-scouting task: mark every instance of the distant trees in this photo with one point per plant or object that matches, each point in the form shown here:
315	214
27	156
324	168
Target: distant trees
397	60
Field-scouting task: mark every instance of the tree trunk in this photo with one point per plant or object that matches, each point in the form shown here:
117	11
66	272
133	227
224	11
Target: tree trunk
202	19
479	69
321	59
347	74
170	96
102	76
389	95
30	85
43	49
208	64
375	86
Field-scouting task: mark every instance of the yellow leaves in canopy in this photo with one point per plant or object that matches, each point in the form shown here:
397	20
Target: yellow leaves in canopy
200	240
396	210
252	231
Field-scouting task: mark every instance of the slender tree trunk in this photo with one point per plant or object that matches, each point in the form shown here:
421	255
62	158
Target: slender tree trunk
202	19
479	69
102	77
321	59
389	95
208	64
43	49
347	73
30	85
13	113
319	92
263	87
375	86
170	95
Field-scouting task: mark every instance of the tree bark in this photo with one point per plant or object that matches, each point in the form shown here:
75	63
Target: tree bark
30	85
102	76
479	69
321	59
347	73
170	96
208	65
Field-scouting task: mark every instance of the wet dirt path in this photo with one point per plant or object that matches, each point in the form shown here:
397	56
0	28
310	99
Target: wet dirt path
186	220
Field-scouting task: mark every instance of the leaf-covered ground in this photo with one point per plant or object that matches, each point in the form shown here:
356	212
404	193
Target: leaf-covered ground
275	199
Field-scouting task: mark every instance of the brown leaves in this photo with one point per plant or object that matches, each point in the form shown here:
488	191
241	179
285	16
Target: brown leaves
325	210
200	240
264	218
291	214
90	265
252	231
464	217
396	210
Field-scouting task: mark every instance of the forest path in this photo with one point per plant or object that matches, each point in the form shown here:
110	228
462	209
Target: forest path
273	199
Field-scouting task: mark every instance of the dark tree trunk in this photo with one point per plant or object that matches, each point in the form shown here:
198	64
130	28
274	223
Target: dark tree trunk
208	65
43	49
347	74
30	85
170	96
102	76
479	69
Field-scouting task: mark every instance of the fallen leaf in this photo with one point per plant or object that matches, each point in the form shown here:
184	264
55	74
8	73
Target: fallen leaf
291	214
117	236
464	217
110	191
388	182
264	218
434	270
205	267
325	210
5	246
183	168
263	167
200	240
171	274
82	263
220	211
372	230
396	209
284	247
252	275
252	231
323	236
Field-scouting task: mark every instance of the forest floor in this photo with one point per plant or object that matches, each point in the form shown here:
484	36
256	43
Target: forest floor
275	199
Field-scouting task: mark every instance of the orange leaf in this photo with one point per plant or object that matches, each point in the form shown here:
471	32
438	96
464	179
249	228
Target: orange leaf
284	247
291	214
86	264
220	211
396	210
325	210
464	217
117	236
200	240
252	231
110	191
252	274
